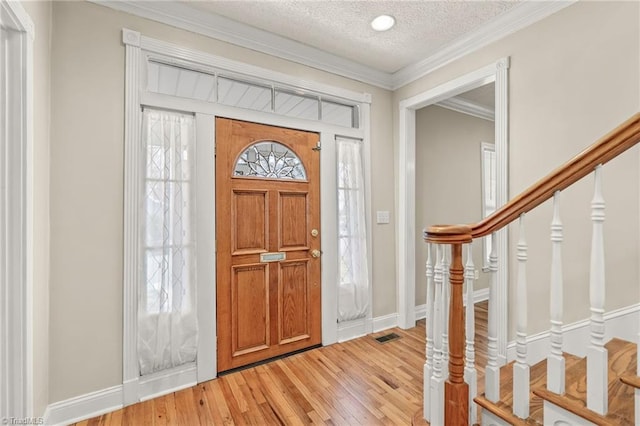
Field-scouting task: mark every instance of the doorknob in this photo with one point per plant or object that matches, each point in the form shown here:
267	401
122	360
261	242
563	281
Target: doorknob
315	253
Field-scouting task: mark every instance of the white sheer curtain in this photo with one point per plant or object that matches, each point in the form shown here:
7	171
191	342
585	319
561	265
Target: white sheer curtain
167	323
353	296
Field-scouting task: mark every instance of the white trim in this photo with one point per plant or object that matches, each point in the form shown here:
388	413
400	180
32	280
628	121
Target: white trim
168	381
104	401
195	57
16	216
488	418
478	296
131	257
328	239
556	415
138	50
218	27
517	18
205	243
366	160
464	106
621	323
181	16
84	406
385	322
405	231
353	329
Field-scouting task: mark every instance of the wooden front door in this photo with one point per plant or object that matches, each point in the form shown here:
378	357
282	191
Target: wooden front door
268	242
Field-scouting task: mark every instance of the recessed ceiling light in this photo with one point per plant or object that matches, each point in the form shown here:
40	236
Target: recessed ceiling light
383	23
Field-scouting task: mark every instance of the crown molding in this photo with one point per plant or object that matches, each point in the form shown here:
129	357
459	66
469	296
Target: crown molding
465	106
180	15
521	16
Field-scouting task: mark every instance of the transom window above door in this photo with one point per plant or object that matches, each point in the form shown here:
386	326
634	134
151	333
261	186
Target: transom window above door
240	92
269	159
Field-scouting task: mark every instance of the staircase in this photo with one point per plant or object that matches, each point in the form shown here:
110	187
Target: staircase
602	388
621	364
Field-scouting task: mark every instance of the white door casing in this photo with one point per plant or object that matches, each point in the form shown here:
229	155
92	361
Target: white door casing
16	211
139	49
406	233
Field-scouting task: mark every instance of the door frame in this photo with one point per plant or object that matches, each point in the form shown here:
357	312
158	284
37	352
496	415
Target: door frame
16	248
496	72
138	50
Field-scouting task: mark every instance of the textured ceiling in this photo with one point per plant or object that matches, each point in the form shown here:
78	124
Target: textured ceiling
342	27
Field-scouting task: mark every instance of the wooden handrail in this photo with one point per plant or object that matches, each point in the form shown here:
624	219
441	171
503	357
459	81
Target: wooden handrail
607	148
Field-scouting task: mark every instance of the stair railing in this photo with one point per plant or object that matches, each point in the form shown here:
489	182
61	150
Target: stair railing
457	407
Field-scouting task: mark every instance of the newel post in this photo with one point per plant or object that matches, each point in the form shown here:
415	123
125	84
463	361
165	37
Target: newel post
456	391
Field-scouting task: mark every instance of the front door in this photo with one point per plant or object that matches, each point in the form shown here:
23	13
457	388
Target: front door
268	241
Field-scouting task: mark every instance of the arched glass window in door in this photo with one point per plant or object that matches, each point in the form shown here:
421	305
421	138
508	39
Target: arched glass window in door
269	159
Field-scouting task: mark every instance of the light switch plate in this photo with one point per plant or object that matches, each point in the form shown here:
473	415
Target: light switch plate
382	216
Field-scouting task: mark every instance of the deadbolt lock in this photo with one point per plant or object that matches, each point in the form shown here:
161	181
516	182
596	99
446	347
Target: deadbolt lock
314	232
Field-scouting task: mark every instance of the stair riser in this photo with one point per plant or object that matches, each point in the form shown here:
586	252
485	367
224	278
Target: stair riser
557	416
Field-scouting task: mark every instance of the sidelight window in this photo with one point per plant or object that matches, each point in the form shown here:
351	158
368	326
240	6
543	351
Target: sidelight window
353	297
166	310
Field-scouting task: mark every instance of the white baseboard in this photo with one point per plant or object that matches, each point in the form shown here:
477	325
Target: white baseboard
385	322
421	311
168	381
621	323
478	296
94	404
84	407
348	330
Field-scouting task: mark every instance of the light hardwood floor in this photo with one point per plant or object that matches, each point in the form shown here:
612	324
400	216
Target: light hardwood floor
359	382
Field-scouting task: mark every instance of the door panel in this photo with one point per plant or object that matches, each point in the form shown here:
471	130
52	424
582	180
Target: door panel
268	203
250	301
293	227
293	308
250	219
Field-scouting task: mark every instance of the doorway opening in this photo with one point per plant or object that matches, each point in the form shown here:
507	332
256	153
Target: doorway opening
407	233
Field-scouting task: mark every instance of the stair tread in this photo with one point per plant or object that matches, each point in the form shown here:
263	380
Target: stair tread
622	362
538	374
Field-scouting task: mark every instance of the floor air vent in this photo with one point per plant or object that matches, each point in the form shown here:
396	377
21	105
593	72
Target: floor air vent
387	338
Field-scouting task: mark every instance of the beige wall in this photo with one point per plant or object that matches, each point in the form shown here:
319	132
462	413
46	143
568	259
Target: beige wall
87	183
40	13
573	77
448	154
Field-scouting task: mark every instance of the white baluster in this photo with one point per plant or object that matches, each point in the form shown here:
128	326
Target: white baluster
555	362
437	380
521	368
446	293
428	365
492	371
470	374
597	356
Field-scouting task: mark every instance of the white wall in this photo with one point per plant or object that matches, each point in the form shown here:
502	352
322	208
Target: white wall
87	187
573	78
40	13
448	179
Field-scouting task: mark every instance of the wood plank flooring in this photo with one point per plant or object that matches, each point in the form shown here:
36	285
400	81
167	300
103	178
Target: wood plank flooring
359	382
